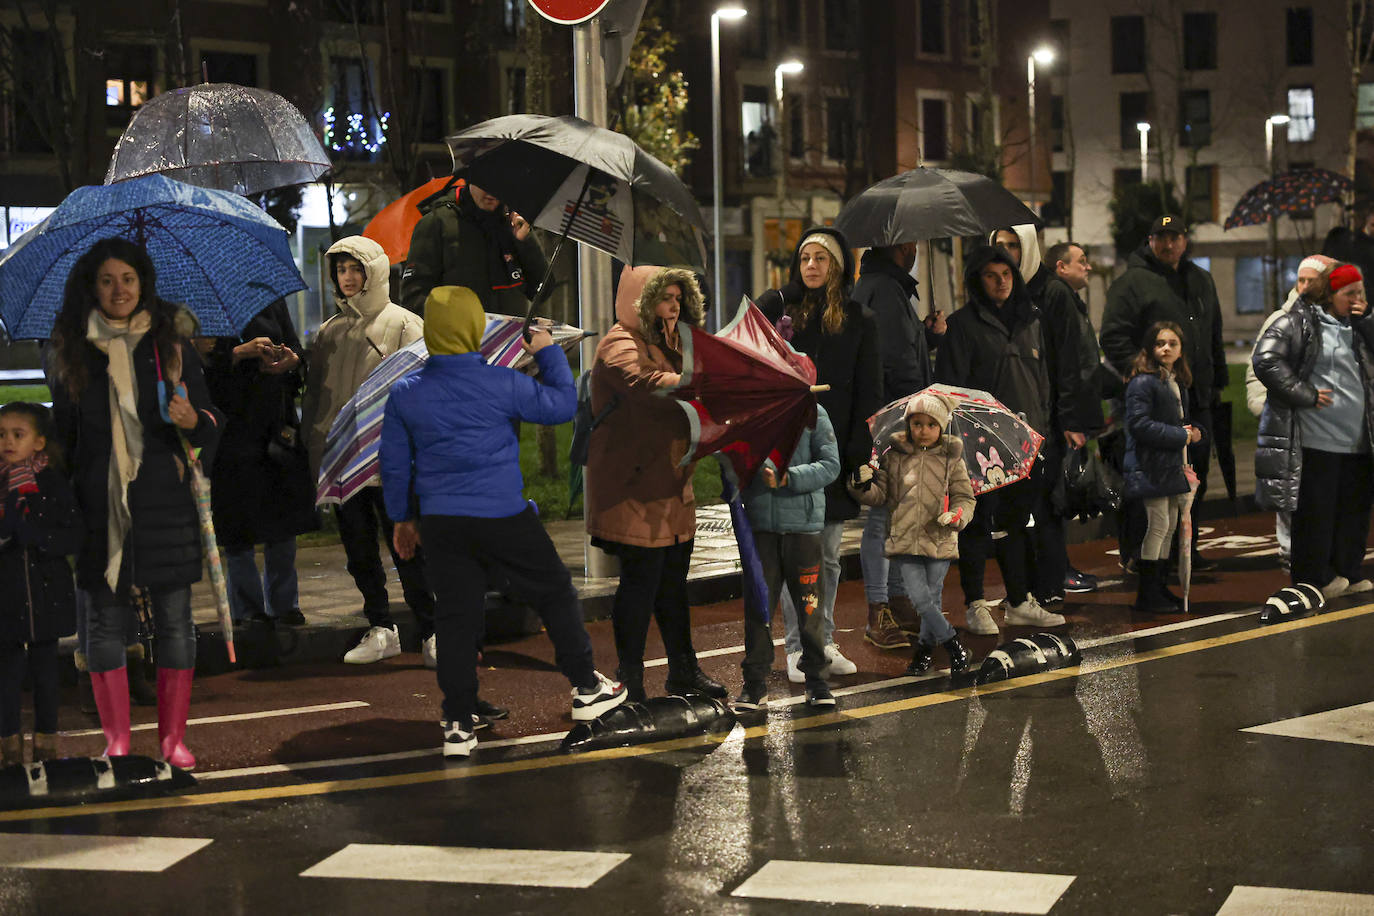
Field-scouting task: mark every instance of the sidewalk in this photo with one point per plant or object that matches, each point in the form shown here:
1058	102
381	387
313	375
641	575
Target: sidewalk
332	606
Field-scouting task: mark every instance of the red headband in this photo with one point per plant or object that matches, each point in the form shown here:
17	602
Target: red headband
1345	275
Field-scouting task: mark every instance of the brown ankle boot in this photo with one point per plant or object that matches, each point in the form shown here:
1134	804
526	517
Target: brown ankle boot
11	750
44	746
882	629
905	614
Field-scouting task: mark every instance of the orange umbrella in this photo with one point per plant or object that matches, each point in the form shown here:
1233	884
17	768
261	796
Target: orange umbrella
392	227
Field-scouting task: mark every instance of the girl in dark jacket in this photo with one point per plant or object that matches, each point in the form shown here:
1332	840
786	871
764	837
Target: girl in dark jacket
841	338
39	527
1157	438
129	390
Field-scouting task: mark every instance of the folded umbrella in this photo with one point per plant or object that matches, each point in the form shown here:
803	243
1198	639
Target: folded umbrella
352	447
216	253
929	204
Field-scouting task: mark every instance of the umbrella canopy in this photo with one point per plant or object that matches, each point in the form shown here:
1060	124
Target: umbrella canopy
929	204
214	252
631	205
352	449
746	393
393	226
1295	191
220	135
999	447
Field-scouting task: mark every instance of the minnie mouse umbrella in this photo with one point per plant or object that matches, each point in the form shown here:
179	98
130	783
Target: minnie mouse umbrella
999	446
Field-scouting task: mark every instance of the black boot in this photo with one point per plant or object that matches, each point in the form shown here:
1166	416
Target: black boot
634	684
1163	594
921	659
685	676
1151	597
140	691
958	655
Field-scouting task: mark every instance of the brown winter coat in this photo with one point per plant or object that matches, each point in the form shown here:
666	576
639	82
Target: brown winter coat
638	492
912	483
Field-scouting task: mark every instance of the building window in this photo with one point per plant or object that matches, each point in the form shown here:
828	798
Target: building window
1194	118
35	74
228	67
933	27
1299	28
975	123
1134	108
362	12
796	126
756	126
1201	188
1252	289
353	128
753	35
513	16
839	129
516	102
934	129
1056	211
1128	44
1199	41
129	71
1302	114
430	104
790	21
1057	123
1364	111
841	25
973	19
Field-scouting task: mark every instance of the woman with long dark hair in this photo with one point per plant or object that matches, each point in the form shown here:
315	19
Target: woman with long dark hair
129	389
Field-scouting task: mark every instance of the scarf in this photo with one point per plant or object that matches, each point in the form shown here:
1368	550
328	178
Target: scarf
117	340
22	477
503	261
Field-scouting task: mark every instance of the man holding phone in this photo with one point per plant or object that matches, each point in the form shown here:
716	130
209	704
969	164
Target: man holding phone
471	239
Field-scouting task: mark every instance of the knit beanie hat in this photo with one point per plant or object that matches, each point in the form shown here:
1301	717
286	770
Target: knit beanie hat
933	405
1317	262
826	241
454	321
1344	275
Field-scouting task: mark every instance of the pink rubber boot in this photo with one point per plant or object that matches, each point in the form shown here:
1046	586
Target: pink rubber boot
173	704
111	689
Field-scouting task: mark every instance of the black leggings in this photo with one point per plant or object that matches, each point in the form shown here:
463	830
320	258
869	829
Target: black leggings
653	583
1331	522
42	666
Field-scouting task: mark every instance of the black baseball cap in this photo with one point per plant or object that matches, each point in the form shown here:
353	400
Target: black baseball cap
1168	223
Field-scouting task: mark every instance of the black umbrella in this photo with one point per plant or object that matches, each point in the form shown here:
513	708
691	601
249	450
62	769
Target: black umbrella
1225	449
929	204
596	186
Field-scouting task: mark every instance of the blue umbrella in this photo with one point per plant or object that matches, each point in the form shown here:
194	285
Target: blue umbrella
215	252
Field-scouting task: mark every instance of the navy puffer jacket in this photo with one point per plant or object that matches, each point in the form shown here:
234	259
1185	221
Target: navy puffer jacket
1155	439
37	598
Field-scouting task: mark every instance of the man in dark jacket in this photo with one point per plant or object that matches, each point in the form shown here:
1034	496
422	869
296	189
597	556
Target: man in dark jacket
995	343
470	239
1354	246
887	288
1162	284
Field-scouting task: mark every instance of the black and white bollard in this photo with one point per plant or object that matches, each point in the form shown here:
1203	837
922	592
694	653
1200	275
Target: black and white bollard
1292	601
656	719
1028	655
78	780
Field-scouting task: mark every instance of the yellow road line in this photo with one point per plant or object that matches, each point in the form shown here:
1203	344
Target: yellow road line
644	750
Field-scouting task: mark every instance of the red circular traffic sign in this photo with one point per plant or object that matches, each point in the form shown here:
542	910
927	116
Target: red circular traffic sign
568	12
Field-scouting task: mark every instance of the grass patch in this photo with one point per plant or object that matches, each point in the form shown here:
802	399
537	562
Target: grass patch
1244	424
37	393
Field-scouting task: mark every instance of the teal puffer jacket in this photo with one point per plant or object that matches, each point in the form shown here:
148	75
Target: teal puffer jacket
798	507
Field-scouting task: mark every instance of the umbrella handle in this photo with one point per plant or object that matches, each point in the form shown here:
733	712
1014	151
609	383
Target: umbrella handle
816	389
543	290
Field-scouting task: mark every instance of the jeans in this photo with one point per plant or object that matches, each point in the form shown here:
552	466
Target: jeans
1331	522
790	561
1161	521
465	552
881	580
359	521
274	593
107	629
830	583
653	583
42	667
925	585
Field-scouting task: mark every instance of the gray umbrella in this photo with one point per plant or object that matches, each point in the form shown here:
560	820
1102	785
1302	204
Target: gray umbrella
929	204
220	135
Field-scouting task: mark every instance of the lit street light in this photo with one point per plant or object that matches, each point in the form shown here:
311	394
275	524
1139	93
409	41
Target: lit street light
1269	124
1043	56
1144	128
788	67
731	13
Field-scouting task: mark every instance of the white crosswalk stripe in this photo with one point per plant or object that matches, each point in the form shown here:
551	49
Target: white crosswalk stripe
96	853
1282	901
1350	725
908	886
468	865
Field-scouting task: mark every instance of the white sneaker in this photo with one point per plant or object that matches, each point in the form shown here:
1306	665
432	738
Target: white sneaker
457	743
429	653
794	673
1336	587
590	702
978	621
837	663
1364	585
377	643
1029	613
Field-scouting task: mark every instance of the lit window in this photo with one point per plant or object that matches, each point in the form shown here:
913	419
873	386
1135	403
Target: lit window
1302	114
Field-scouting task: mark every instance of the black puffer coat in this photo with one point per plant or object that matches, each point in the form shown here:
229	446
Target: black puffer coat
163	546
37	598
848	362
886	290
1155	439
1283	361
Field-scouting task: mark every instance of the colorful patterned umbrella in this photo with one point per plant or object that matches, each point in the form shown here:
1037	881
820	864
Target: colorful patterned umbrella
1295	191
351	460
200	485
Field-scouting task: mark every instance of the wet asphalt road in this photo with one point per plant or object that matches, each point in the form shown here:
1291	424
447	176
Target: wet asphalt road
1127	785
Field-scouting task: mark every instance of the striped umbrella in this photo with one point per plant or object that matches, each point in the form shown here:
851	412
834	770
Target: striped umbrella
200	485
351	449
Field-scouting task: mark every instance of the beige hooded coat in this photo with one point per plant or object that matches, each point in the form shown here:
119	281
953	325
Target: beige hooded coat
637	492
368	328
912	483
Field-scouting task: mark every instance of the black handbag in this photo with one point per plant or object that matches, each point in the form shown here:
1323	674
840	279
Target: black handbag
285	446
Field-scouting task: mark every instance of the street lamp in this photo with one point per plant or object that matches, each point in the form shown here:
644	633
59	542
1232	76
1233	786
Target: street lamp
1043	56
788	67
1269	124
1144	128
732	13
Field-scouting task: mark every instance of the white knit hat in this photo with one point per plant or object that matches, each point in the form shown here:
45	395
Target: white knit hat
931	404
826	241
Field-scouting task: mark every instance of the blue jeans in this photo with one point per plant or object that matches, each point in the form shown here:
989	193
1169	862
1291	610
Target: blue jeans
881	579
107	629
277	582
925	583
830	582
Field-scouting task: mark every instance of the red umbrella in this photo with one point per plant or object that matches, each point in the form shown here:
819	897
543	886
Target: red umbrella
748	395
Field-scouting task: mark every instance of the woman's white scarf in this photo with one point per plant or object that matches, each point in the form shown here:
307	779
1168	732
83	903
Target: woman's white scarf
117	340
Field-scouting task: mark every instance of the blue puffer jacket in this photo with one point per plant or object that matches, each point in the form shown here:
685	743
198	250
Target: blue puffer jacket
799	507
1155	439
448	436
